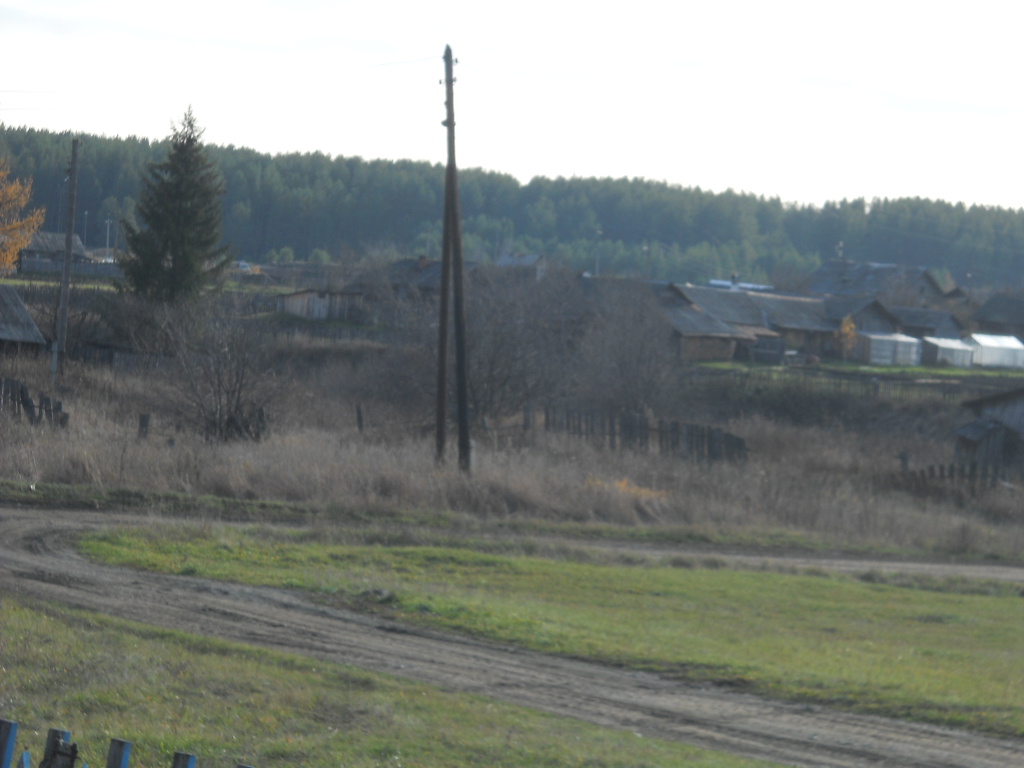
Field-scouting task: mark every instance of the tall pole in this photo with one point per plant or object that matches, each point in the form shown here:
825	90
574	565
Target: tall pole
65	282
451	265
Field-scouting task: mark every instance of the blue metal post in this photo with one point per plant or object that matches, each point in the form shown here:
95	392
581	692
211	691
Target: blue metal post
8	735
183	760
118	754
53	739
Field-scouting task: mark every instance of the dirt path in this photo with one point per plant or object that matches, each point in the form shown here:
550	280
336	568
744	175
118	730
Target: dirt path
36	561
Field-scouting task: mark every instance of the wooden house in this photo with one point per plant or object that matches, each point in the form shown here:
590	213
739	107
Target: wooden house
920	322
1001	315
893	283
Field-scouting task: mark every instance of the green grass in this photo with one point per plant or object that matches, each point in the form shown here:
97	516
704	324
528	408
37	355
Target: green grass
948	657
165	691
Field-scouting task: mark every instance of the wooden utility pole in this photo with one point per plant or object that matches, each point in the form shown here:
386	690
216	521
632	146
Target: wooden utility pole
60	347
452	275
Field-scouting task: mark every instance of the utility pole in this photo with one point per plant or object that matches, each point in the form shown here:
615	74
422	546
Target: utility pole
65	282
452	270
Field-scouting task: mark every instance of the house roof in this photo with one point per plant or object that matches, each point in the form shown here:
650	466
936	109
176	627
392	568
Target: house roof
689	320
794	313
927	319
750	311
16	324
1003	309
686	318
979	429
841	277
55	243
519	260
732	307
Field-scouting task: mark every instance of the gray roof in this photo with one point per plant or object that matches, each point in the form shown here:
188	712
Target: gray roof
926	319
841	277
733	307
519	260
761	310
978	430
16	324
55	243
1002	309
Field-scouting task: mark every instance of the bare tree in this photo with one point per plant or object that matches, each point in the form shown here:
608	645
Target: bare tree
628	360
224	376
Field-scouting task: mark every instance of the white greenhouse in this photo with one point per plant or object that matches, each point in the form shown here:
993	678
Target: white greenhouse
997	351
888	349
952	352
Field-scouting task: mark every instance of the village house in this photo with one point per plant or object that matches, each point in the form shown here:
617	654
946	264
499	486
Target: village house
1002	314
894	284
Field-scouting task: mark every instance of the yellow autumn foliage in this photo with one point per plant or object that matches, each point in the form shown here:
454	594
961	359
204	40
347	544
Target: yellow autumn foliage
16	227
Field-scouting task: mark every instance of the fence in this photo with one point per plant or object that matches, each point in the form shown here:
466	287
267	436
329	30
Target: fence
972	477
811	381
16	401
634	432
61	752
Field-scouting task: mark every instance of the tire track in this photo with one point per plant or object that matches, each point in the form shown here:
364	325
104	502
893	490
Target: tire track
37	562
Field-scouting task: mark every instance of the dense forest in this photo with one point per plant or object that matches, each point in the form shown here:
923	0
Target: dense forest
311	207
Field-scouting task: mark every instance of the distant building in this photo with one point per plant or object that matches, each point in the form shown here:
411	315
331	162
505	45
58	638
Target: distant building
894	284
18	331
1002	314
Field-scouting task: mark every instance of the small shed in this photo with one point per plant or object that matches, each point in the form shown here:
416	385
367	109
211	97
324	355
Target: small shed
996	436
997	351
312	304
18	330
888	349
941	351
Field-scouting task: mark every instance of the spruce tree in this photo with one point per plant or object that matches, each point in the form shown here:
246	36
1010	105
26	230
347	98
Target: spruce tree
178	251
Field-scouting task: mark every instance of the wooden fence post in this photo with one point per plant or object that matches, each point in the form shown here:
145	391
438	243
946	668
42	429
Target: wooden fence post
143	426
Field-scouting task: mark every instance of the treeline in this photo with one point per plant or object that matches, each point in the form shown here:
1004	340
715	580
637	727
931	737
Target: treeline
314	207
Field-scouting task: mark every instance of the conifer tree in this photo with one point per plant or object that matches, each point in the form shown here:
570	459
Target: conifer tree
178	251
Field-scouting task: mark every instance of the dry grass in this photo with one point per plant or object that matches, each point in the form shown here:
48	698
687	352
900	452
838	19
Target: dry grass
831	485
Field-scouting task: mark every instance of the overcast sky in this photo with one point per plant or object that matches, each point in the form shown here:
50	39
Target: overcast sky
806	101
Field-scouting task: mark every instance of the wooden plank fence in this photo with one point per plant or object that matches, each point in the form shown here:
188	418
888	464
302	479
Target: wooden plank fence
16	401
634	432
972	477
60	752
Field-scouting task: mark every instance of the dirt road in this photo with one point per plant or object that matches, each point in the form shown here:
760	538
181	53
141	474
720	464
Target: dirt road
37	561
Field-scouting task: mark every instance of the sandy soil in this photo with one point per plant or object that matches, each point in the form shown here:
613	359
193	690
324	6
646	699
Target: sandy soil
37	562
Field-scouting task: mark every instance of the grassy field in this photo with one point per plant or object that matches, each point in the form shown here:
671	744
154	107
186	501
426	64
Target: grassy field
946	654
229	704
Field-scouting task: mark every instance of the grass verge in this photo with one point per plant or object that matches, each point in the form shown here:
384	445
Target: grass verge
228	704
948	657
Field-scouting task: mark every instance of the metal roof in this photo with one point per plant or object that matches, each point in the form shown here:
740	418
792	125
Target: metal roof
16	324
